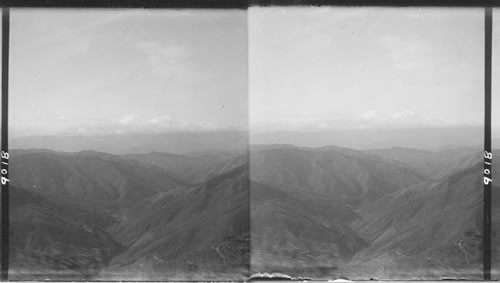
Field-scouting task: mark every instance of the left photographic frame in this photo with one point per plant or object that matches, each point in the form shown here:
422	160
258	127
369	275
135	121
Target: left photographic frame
128	143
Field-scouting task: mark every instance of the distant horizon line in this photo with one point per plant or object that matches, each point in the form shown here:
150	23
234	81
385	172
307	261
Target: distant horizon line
255	132
249	147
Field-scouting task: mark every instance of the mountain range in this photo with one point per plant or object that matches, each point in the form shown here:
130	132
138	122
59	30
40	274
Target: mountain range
91	215
396	213
322	213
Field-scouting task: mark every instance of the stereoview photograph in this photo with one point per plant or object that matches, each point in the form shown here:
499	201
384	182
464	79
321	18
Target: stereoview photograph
261	143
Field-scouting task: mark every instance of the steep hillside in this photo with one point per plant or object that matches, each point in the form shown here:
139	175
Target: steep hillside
433	164
314	212
193	233
350	176
426	231
300	233
51	239
193	167
394	214
90	176
303	201
91	215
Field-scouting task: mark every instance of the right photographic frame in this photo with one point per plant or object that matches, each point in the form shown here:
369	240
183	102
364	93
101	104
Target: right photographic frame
366	142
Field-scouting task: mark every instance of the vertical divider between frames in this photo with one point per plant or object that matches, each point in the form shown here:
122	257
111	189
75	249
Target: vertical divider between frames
487	146
4	270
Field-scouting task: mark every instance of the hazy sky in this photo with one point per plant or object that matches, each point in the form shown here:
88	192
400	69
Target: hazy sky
337	68
119	71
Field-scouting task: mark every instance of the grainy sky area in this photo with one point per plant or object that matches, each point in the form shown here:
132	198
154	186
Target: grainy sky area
121	71
356	68
124	71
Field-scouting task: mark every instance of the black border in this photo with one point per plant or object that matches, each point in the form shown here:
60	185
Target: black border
242	4
211	4
4	268
239	4
488	18
390	3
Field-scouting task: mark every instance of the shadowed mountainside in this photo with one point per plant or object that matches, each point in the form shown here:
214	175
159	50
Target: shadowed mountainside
299	233
196	167
427	231
314	212
397	221
350	176
89	215
203	229
91	176
433	164
51	238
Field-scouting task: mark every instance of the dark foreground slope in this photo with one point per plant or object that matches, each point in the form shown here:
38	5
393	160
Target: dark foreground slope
428	231
299	233
89	215
372	215
51	238
463	224
303	201
320	213
196	233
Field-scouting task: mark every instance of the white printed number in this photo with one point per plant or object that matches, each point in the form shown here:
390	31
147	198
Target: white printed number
5	156
488	156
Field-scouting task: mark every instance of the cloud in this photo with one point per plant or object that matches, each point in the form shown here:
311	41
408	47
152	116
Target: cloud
408	116
371	119
127	120
167	122
369	115
160	119
128	124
